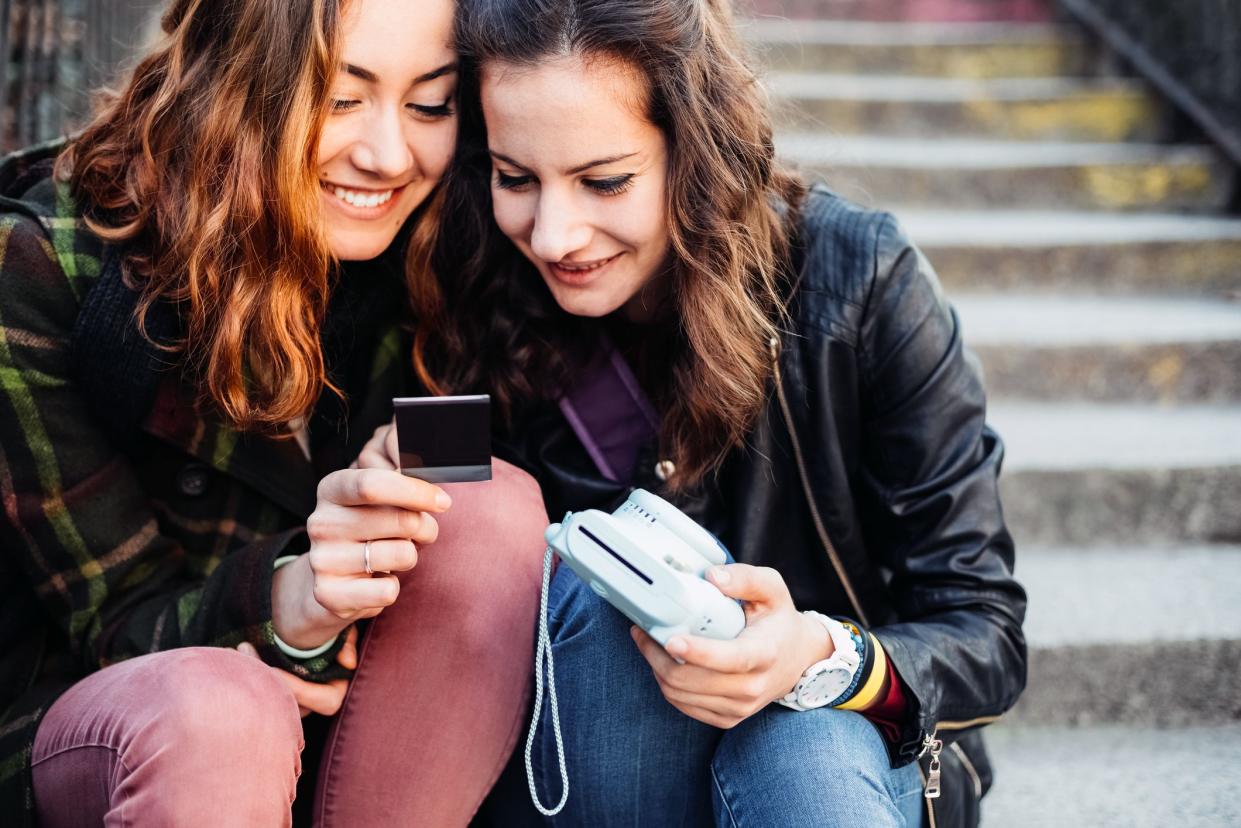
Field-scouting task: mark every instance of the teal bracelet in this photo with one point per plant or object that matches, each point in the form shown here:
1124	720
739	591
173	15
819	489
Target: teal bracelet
291	651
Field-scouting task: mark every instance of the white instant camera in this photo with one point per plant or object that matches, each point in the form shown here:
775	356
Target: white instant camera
648	559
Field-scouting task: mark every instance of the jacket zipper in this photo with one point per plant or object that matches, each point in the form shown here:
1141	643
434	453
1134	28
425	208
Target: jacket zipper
819	527
931	781
934	745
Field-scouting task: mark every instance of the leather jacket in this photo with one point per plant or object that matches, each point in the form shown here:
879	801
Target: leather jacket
869	482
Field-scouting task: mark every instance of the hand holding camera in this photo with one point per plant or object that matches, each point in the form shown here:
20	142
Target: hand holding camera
648	559
722	683
716	660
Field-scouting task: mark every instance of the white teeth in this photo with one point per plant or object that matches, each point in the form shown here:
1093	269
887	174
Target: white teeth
594	266
358	199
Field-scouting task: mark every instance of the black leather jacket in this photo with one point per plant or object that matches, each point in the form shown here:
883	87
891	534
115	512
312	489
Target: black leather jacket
870	483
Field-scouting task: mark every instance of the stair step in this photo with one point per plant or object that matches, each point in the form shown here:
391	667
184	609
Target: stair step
928	10
1109	349
1068	109
1081	253
906	172
1079	473
976	50
1139	777
1135	634
1122	595
1044	436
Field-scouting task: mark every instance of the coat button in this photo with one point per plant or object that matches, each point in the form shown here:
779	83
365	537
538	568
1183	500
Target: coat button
665	469
193	479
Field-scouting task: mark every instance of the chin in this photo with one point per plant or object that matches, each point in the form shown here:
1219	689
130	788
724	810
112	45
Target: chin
357	247
591	307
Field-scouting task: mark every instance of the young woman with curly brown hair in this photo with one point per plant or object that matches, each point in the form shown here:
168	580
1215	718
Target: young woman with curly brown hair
204	313
656	304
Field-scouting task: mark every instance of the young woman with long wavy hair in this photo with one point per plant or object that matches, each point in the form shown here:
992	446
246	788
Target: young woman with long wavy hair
204	314
656	303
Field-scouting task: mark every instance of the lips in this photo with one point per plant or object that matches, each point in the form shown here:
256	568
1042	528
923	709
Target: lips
361	203
580	273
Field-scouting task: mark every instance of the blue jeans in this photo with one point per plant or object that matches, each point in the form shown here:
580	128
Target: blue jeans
634	759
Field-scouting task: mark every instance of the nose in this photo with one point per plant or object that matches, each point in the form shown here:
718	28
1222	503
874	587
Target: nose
560	227
384	149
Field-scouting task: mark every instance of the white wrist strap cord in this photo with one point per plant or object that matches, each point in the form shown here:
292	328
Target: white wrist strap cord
544	647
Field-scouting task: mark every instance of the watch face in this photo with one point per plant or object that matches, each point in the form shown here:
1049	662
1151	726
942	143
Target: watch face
823	688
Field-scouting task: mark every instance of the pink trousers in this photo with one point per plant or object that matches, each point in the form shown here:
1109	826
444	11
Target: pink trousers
207	736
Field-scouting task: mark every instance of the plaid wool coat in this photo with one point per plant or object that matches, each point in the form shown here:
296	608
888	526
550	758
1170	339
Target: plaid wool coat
111	547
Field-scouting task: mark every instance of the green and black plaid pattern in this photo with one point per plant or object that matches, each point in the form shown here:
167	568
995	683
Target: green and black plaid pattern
104	554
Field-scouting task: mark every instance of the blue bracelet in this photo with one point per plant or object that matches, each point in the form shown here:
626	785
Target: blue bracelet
860	645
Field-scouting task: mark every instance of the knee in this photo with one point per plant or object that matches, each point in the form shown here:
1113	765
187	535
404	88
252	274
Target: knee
827	749
494	531
508	510
217	702
486	566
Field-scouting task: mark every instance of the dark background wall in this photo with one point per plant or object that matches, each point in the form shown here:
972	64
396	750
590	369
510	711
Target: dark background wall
54	52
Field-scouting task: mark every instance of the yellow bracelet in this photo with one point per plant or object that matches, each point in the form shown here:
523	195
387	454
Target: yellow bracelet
874	682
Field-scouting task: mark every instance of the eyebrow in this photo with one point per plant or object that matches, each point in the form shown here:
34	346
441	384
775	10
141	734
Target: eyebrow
599	162
370	77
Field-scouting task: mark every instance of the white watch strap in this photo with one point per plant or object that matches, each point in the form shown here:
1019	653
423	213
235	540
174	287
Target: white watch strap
844	655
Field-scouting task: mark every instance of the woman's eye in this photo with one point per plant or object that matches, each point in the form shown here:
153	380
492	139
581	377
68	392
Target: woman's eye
343	104
441	111
512	182
609	186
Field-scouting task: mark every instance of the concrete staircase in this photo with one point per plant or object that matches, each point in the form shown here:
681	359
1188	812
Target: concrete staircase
1099	279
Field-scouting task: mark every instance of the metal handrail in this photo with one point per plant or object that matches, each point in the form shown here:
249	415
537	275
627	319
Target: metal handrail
1189	50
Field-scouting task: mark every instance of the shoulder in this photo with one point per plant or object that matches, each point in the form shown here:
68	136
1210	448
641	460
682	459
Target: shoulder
842	251
47	251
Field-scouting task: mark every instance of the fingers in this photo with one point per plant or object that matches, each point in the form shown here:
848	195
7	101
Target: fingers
758	584
382	487
709	697
709	717
332	522
380	451
728	696
391	445
324	699
349	557
347	656
744	654
357	597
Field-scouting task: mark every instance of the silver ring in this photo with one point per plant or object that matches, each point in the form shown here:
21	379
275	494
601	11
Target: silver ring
366	558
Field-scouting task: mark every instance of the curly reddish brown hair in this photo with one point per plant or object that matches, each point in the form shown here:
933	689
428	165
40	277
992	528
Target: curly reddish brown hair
204	167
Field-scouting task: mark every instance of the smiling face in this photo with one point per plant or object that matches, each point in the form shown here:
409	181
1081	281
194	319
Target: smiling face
580	177
390	132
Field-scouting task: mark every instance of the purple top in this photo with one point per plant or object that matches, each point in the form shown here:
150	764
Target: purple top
610	414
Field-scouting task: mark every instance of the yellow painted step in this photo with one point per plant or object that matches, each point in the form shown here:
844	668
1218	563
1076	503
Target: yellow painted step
979	51
1024	109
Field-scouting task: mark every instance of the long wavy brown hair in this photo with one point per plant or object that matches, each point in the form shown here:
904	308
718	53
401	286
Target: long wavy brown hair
204	167
493	324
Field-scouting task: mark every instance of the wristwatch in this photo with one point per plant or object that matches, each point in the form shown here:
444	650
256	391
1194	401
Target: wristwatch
824	681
